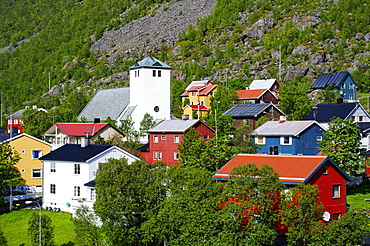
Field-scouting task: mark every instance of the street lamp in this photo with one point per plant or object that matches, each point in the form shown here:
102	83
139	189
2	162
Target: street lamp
29	202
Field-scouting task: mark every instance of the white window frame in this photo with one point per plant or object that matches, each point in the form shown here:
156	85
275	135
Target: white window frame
92	194
53	167
39	152
258	138
282	140
176	155
163	137
77	169
155	139
176	139
318	138
35	171
76	191
53	189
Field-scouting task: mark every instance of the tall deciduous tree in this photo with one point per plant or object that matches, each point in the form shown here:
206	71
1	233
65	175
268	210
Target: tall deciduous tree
294	101
88	233
9	173
188	216
127	127
146	124
243	139
47	230
301	213
341	143
127	196
250	206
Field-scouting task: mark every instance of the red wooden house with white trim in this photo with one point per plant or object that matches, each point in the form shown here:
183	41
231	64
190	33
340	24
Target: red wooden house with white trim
165	137
315	170
256	96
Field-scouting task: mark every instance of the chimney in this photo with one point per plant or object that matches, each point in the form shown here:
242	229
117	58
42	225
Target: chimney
340	100
282	119
85	140
96	120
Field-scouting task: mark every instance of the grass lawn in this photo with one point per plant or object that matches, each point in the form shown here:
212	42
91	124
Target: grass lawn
15	226
356	196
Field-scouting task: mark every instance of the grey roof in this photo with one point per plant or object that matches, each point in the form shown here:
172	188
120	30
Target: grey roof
106	103
173	126
127	113
330	79
16	115
262	84
150	62
249	110
284	128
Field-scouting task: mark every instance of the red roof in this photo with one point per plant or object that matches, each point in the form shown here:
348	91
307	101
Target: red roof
249	94
291	168
201	107
203	90
80	129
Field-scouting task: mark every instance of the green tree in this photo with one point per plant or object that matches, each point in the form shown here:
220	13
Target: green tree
188	216
127	127
191	147
86	227
127	196
147	123
9	173
243	139
294	101
35	122
351	229
3	241
301	213
250	203
47	230
341	143
329	94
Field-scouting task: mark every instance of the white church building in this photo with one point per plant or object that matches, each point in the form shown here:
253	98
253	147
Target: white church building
149	92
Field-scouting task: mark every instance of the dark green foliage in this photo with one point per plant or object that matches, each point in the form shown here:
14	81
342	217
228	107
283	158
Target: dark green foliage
329	94
147	123
342	143
3	241
88	233
127	196
243	140
47	230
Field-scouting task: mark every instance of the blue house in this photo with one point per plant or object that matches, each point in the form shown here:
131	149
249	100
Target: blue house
342	81
289	137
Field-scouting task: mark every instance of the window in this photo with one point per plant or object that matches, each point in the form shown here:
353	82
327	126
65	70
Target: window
92	195
135	73
353	118
336	216
343	86
205	137
286	140
154	73
318	138
159	73
193	94
176	155
260	140
138	73
10	121
36	154
36	173
211	93
77	169
52	188
176	139
351	86
77	191
155	139
157	155
273	150
164	137
326	168
23	151
360	118
52	167
23	170
201	102
15	121
336	191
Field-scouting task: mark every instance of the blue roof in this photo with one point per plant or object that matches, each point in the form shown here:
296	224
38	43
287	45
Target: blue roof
248	110
325	112
6	136
150	62
330	79
74	152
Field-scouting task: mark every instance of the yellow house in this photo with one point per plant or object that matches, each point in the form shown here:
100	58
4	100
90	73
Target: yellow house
30	149
198	93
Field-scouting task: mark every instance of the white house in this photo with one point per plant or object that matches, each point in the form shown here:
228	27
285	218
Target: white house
69	171
149	92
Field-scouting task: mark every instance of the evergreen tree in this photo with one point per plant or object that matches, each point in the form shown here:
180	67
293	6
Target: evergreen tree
47	230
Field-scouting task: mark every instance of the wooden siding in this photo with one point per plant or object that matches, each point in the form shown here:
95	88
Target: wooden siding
24	146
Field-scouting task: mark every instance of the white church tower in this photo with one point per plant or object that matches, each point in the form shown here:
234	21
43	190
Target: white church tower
150	90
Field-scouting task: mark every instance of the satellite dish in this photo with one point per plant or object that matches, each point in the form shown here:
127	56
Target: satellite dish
326	216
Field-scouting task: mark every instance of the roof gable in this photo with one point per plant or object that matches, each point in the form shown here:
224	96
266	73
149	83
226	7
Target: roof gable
335	79
81	129
106	103
284	128
262	84
291	168
325	112
150	62
20	135
200	107
180	126
250	94
249	110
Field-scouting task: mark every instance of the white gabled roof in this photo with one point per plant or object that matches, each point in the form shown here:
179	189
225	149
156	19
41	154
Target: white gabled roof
284	128
173	126
262	84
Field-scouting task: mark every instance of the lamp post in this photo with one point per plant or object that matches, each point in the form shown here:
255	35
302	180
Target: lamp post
29	202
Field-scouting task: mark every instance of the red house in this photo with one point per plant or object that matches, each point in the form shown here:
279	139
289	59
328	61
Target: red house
166	136
14	122
315	170
256	96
